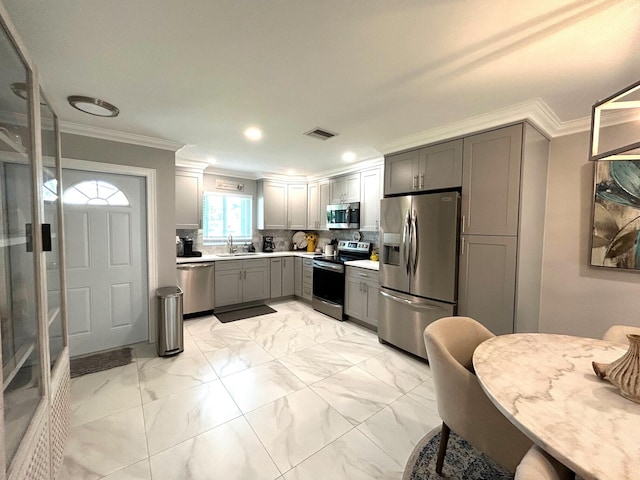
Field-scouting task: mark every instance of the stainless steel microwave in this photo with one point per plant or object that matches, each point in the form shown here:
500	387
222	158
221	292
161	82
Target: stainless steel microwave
343	215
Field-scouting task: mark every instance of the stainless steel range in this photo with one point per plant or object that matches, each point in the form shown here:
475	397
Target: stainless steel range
328	277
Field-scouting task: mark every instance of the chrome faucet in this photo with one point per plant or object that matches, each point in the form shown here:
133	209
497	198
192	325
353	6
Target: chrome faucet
230	243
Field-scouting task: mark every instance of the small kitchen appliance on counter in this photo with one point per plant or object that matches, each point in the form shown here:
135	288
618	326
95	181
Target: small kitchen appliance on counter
268	245
187	248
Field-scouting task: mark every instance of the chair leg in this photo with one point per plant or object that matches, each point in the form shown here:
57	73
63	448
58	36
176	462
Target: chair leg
444	438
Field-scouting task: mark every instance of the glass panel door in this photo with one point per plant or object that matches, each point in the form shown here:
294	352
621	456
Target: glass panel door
21	369
51	195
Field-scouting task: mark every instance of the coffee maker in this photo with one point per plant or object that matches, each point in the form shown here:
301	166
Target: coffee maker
187	248
268	245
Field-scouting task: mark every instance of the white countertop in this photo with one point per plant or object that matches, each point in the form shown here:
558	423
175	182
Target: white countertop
368	264
240	256
545	385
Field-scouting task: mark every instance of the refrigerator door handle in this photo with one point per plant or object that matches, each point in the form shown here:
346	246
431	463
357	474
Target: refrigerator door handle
406	241
415	246
425	306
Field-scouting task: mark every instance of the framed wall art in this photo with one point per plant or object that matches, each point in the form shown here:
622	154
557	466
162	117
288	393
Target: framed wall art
616	215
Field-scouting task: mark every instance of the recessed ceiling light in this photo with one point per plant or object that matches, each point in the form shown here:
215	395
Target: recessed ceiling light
93	106
253	133
348	156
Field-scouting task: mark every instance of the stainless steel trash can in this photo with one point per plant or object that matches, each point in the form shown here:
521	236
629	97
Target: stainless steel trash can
170	336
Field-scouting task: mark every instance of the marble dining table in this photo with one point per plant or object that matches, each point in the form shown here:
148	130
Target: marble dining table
545	385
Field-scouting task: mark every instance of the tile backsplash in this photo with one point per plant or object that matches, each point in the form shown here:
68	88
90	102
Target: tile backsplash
282	239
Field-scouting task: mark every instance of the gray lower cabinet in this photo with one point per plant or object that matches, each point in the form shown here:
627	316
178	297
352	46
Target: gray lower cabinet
287	276
486	289
282	277
361	295
297	277
240	281
276	277
307	278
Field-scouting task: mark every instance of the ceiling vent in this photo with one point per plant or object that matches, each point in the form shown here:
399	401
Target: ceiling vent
320	134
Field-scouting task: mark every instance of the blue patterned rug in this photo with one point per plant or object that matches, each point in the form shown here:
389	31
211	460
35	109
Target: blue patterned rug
461	462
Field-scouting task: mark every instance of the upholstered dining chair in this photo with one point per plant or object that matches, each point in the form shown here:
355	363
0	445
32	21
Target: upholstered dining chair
462	404
539	465
618	333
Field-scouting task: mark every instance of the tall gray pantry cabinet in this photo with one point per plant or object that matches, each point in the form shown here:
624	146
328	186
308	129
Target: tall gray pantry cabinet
33	326
502	174
504	181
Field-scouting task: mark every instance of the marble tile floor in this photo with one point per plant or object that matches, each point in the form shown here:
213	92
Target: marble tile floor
293	395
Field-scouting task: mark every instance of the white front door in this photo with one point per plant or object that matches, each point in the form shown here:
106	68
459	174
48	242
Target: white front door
106	260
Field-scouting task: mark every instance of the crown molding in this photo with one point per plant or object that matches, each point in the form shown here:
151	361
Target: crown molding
536	111
117	136
211	170
353	168
191	164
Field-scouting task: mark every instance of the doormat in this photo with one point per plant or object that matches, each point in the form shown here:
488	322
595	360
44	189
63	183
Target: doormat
234	315
97	362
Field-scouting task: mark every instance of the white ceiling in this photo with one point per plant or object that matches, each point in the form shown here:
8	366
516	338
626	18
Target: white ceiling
199	72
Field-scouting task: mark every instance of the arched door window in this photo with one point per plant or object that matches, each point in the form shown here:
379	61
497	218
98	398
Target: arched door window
95	192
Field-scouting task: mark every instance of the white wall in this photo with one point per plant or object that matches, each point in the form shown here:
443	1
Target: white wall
578	299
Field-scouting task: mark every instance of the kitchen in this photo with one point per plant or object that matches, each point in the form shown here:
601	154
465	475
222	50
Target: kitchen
573	298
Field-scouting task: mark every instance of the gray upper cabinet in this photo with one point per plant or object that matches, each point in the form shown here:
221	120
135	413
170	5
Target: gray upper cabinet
503	210
491	182
282	206
345	189
297	206
272	205
428	168
188	200
371	193
318	199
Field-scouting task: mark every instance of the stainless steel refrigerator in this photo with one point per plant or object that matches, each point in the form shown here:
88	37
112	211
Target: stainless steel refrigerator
418	266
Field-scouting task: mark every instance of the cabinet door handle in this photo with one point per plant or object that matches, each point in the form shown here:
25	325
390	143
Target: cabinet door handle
464	221
422	181
462	246
415	181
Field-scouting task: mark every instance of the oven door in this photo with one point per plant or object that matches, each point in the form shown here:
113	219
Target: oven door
328	288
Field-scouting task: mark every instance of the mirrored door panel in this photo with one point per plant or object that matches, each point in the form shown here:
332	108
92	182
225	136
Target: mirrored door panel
21	369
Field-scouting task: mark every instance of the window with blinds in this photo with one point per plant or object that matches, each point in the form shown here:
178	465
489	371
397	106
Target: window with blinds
226	214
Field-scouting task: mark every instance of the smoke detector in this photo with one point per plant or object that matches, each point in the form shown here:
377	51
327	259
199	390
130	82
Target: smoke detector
320	133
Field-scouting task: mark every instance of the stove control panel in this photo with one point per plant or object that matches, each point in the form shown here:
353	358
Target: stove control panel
349	246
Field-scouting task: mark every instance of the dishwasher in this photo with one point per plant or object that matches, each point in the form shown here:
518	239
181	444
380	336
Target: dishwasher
196	281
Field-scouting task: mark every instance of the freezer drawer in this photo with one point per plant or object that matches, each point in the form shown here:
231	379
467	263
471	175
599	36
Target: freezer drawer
197	282
403	318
